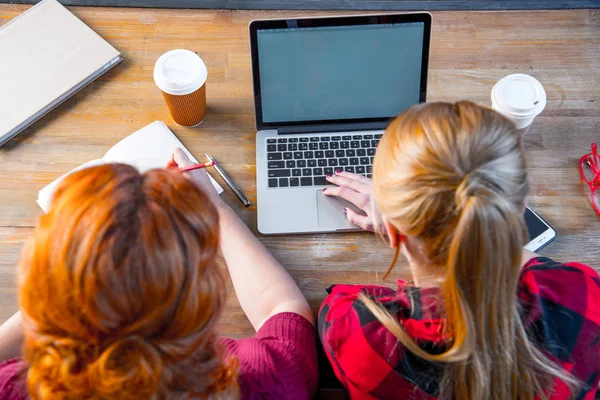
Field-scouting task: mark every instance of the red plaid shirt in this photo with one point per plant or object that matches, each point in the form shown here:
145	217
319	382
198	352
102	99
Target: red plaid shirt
561	314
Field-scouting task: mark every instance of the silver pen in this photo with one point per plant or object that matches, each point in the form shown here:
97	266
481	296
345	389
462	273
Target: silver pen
229	182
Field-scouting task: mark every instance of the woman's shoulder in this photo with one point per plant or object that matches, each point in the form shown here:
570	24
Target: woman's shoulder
343	314
343	300
571	285
418	309
12	380
365	355
280	361
540	263
560	305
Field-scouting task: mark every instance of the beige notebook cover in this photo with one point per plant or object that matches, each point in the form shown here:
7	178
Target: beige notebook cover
48	54
150	147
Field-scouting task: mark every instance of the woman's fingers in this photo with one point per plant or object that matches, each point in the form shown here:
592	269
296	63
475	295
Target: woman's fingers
360	200
181	158
357	190
351	181
171	163
360	178
178	159
361	221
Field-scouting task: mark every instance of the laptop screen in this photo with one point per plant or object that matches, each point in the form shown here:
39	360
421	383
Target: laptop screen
327	73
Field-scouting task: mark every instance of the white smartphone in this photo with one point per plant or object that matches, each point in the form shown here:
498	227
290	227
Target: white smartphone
540	232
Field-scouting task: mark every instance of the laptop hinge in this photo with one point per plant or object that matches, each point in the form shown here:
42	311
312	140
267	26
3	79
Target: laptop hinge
364	126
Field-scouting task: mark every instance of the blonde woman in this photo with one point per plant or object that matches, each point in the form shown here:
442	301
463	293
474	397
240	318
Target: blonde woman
481	319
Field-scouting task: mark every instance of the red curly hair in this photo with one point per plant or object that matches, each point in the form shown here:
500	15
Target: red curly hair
121	286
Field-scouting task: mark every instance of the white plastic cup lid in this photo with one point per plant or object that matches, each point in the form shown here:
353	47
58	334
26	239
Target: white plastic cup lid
180	72
519	95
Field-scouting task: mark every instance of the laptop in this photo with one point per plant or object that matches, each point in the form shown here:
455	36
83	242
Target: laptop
324	91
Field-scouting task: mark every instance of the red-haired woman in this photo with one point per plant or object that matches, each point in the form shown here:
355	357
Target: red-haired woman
122	285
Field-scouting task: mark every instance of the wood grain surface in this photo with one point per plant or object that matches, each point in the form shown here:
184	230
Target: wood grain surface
335	4
470	52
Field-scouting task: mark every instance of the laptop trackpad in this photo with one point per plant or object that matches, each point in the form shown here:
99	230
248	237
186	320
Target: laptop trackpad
330	212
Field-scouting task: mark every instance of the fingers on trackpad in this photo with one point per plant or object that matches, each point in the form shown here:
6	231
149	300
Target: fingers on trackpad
330	212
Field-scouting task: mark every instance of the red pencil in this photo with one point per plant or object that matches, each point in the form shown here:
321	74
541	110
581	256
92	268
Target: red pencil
197	166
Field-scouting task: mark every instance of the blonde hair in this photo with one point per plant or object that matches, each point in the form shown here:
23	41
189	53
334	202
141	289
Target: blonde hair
454	177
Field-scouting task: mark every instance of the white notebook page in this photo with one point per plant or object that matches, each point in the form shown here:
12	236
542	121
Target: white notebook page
150	147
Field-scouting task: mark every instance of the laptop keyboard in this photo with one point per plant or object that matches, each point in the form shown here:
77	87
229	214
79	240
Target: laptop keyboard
305	160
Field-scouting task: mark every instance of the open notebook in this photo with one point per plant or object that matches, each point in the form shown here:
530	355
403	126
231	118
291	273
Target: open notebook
47	55
150	147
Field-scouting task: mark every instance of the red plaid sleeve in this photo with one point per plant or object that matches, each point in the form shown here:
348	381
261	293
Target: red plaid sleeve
561	313
560	307
354	342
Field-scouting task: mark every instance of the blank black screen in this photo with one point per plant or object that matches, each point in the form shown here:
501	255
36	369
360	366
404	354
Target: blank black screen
535	226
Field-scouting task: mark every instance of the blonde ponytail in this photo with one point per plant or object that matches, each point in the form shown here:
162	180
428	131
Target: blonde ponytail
454	177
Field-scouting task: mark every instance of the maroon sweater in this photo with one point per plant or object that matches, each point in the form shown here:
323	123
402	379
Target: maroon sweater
279	362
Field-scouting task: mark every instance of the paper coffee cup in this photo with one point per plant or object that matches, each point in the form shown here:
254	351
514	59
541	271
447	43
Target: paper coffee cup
181	77
520	98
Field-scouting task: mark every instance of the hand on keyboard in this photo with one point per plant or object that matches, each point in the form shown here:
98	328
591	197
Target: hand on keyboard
357	189
305	161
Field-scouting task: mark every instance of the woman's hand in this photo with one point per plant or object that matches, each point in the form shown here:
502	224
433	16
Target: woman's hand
199	176
357	189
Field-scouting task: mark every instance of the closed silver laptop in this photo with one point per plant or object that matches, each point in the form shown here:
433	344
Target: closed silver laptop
324	91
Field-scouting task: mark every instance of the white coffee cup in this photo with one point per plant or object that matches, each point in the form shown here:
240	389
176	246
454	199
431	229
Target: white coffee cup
181	77
520	98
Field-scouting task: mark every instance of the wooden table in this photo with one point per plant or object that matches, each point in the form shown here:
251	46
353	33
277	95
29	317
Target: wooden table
470	51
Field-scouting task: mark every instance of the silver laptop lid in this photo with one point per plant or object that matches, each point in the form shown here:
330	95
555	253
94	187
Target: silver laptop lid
338	73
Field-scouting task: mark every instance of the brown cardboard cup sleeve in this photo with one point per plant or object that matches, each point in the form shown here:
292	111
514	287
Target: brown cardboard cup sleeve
181	77
187	109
